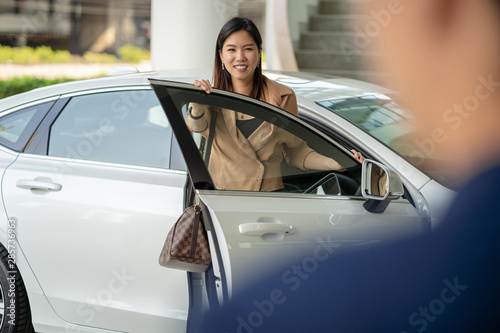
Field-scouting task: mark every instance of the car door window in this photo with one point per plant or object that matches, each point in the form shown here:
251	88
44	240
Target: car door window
124	127
16	128
273	157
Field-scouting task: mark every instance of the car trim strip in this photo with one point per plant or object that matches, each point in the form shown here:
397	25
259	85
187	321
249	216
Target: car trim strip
107	89
27	105
8	151
279	195
97	163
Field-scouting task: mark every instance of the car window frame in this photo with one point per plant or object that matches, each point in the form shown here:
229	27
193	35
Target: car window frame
40	142
200	177
31	128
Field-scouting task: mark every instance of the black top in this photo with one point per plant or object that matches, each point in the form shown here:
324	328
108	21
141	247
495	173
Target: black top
248	126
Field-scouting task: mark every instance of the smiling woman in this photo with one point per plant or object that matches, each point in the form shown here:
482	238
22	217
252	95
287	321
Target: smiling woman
240	61
237	68
237	59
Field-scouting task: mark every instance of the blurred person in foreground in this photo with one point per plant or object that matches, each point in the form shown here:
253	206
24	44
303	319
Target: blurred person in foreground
446	60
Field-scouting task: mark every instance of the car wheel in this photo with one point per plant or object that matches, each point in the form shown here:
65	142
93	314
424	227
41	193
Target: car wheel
15	315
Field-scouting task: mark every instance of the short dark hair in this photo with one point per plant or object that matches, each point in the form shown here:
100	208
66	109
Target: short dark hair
221	77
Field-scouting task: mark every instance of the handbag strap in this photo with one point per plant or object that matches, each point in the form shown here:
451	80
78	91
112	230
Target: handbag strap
211	133
196	227
191	196
206	143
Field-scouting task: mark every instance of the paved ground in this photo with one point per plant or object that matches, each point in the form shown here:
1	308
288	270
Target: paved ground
75	70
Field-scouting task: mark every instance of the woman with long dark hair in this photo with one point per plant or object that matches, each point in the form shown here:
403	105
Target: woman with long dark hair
233	165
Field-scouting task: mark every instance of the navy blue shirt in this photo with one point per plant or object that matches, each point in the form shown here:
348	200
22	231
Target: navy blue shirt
448	281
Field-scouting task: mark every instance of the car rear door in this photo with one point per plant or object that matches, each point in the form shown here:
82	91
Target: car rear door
94	196
252	231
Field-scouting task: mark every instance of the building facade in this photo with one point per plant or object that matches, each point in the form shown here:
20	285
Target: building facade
76	25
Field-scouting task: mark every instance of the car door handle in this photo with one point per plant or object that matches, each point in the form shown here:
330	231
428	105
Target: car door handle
262	228
31	184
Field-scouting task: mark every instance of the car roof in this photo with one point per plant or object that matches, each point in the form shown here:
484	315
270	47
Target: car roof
315	87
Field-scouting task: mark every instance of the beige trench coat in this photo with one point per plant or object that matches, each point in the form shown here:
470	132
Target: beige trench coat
253	164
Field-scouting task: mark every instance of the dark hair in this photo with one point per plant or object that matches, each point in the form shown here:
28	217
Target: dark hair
221	77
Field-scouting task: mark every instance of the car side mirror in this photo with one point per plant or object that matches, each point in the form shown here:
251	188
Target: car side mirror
380	184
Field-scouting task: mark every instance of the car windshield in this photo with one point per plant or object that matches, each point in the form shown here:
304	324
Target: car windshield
377	115
381	117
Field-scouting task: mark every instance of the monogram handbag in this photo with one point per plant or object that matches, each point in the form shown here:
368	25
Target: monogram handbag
186	247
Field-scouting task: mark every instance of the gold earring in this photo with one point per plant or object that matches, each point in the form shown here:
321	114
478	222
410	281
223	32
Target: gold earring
223	67
258	64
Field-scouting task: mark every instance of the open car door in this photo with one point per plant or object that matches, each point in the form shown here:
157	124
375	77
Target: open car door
315	214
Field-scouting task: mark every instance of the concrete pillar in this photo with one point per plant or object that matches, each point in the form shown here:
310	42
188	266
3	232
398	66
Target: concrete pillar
183	33
279	49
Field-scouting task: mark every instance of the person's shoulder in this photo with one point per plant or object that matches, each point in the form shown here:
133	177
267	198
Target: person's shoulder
475	208
280	95
276	88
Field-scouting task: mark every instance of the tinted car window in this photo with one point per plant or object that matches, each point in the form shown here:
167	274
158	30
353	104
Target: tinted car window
125	127
17	128
272	157
297	145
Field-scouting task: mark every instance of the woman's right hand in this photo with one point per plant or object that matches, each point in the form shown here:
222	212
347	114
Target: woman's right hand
203	85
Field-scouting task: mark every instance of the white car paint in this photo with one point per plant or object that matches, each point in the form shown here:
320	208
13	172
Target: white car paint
337	223
96	258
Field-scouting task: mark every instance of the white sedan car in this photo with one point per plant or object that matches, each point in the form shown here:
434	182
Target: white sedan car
96	172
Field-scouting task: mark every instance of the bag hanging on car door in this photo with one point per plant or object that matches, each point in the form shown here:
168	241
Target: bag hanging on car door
186	246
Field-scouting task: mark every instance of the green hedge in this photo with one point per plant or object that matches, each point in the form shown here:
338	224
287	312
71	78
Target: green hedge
29	55
45	54
133	54
19	85
100	58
